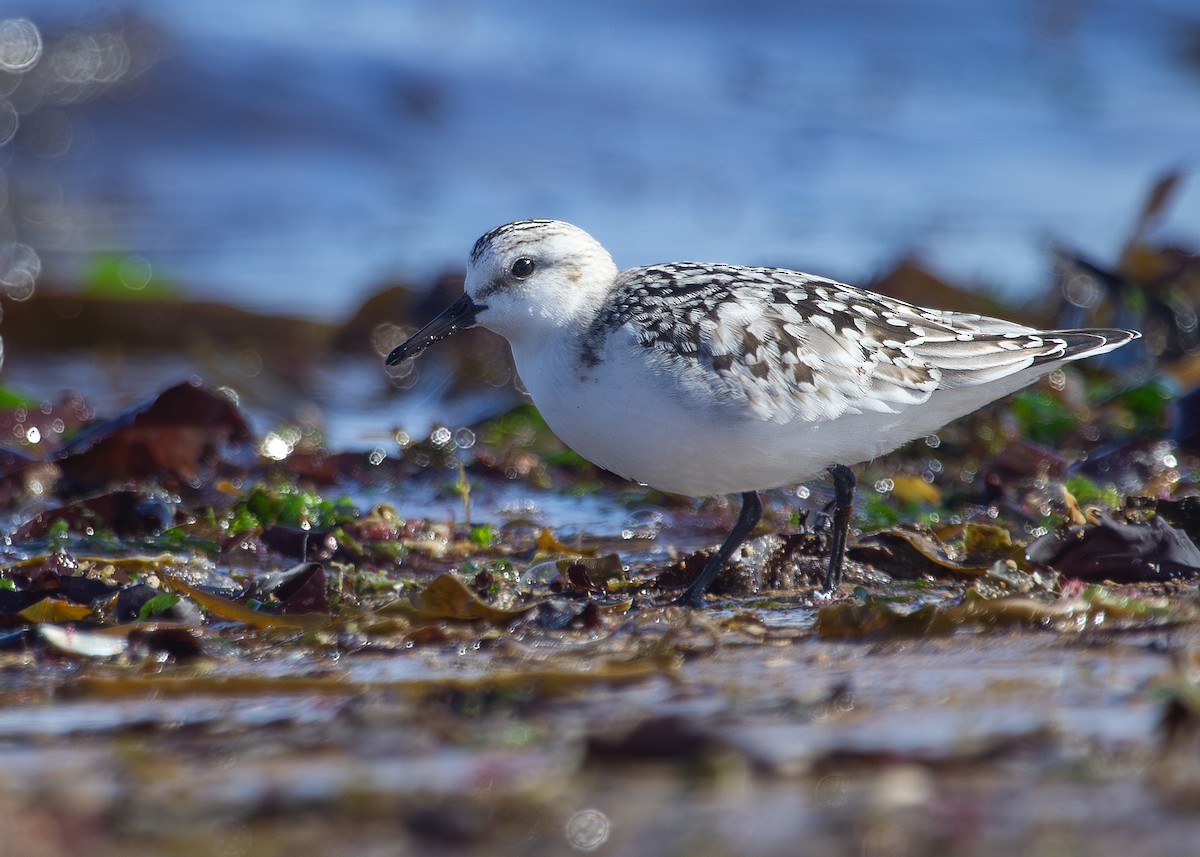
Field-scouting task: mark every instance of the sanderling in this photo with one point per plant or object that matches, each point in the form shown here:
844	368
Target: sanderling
706	379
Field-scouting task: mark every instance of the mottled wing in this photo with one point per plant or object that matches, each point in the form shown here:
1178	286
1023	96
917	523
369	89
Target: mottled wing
786	345
782	344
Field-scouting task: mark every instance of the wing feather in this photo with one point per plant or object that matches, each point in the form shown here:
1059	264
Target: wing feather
787	346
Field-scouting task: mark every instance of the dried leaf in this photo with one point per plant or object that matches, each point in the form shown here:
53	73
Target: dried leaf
1121	552
603	574
547	543
876	616
907	552
987	543
883	617
175	440
12	603
447	597
55	610
227	609
535	680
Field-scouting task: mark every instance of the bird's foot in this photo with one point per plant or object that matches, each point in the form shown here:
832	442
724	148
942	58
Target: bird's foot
693	596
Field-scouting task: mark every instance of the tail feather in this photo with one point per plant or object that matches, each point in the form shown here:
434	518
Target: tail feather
1088	342
986	359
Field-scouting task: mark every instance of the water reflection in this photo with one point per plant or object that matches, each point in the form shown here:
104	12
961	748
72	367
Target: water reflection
293	155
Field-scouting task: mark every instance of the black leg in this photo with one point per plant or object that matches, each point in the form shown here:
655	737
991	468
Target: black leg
751	512
843	505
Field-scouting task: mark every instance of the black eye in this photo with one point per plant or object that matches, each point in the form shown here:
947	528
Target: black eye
522	268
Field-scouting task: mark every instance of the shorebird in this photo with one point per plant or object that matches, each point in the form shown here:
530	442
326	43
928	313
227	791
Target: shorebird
705	379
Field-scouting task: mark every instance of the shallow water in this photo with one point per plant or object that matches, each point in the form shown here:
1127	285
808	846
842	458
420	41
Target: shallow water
997	743
292	155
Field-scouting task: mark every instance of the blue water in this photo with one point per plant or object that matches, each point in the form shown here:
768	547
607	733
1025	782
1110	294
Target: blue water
291	156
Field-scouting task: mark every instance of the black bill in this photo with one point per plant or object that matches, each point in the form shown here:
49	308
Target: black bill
460	315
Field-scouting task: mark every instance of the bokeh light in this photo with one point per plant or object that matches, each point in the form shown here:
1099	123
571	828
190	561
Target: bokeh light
20	44
19	269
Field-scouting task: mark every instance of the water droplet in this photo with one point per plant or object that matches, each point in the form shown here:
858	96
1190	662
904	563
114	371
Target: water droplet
464	438
588	829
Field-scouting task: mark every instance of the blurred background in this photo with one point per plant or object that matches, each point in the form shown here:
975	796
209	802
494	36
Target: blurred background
292	156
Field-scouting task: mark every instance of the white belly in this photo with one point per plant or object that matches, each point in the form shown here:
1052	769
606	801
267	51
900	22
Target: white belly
637	423
628	421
